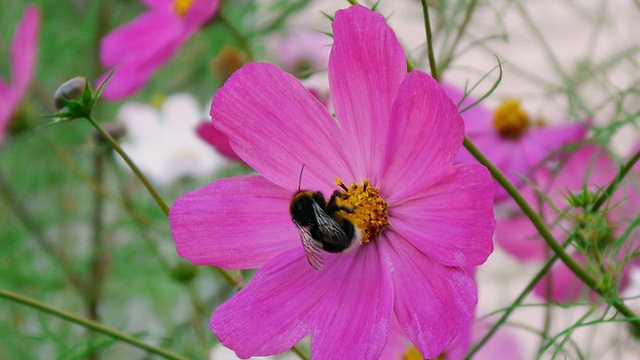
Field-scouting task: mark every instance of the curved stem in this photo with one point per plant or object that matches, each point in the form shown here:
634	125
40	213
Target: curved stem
38	234
461	29
427	28
614	184
242	41
89	325
156	196
558	249
532	284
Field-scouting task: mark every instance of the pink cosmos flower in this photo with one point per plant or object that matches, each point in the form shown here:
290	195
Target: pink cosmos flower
510	139
501	346
23	57
590	166
139	48
301	54
427	218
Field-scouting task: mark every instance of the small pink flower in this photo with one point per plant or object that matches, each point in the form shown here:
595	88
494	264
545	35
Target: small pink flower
501	346
137	49
399	131
590	166
24	49
510	139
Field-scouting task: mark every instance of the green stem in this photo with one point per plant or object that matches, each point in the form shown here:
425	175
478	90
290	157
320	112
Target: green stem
545	46
98	267
86	323
461	29
603	198
532	284
38	233
614	184
427	28
242	41
156	196
537	221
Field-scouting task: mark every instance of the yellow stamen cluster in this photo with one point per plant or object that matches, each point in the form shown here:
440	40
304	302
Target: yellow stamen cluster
412	354
369	209
181	6
510	119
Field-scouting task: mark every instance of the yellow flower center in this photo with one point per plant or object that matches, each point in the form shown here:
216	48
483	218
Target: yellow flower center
369	209
412	354
510	120
181	6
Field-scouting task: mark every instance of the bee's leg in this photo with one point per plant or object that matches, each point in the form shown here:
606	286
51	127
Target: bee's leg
333	206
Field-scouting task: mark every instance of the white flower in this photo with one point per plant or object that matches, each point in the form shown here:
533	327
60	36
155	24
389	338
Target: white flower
164	144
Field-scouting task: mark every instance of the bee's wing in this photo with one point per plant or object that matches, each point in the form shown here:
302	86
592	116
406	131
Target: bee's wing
312	247
329	228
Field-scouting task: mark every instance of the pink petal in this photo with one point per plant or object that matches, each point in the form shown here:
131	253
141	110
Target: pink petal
355	313
24	50
433	305
366	66
275	310
349	302
133	73
235	223
275	125
425	133
199	12
565	285
541	141
216	138
478	119
519	237
451	220
159	4
140	38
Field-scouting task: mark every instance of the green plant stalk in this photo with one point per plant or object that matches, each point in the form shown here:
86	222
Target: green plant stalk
427	28
614	184
156	196
38	234
537	221
163	205
532	284
461	29
98	265
244	44
90	325
601	200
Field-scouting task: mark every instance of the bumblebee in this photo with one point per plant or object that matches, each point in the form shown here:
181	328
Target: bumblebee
322	226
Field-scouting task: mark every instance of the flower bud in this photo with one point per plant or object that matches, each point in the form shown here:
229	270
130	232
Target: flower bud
70	90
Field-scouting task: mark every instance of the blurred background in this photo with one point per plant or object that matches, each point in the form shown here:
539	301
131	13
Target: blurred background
79	232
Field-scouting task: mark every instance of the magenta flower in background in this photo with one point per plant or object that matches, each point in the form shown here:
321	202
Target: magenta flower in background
510	139
590	167
302	52
398	131
501	346
24	50
216	138
137	49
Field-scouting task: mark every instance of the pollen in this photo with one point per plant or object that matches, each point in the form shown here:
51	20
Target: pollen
181	6
369	210
510	119
413	354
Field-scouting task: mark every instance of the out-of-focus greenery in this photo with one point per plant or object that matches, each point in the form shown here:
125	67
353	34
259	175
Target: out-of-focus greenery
48	174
